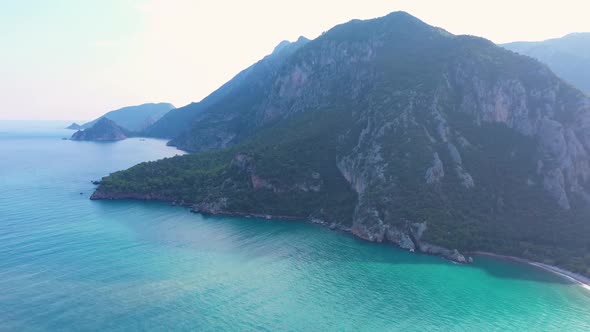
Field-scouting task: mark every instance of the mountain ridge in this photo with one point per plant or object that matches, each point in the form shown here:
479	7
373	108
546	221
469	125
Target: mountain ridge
568	56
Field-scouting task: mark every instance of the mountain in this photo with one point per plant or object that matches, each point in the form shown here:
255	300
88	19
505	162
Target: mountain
74	126
399	132
103	130
243	89
568	57
135	118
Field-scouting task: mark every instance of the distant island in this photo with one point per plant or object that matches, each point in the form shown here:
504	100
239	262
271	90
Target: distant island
131	118
102	130
74	126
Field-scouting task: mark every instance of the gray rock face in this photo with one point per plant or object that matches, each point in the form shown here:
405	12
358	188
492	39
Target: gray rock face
217	207
538	111
453	255
435	173
466	179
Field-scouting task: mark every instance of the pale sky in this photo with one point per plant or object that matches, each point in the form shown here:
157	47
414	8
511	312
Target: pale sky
77	59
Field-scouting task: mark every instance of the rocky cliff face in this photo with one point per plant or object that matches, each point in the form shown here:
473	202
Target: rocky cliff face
443	141
537	105
103	130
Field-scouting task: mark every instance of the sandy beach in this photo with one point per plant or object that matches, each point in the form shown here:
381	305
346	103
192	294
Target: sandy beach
576	278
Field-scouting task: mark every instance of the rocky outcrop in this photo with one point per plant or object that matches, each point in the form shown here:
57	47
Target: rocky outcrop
543	108
74	126
217	207
436	172
103	130
453	255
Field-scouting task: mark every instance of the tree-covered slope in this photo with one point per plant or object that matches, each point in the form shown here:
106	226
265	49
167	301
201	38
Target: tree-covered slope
135	118
568	57
400	132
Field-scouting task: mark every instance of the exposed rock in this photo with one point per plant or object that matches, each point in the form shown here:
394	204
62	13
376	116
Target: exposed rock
537	112
436	172
216	207
554	183
466	179
454	153
432	249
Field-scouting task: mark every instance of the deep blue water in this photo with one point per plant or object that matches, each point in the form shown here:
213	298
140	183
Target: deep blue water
71	264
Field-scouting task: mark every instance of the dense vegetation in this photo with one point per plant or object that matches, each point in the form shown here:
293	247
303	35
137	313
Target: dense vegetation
284	155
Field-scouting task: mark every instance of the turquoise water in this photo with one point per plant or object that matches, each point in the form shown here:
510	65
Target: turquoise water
71	264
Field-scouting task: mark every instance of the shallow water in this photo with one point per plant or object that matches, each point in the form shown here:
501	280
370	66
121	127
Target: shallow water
68	263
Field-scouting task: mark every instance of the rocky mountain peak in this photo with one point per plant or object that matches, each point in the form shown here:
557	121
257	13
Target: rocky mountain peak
285	44
281	46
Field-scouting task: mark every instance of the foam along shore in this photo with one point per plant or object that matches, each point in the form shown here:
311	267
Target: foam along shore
576	278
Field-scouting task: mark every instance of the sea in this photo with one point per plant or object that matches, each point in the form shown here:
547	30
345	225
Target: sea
71	264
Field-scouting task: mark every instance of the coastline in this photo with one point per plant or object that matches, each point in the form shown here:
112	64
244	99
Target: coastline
575	278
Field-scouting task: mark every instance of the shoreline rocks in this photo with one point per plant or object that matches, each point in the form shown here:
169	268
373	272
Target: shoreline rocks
408	240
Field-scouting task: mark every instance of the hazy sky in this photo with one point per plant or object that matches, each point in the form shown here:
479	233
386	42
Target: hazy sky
77	59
